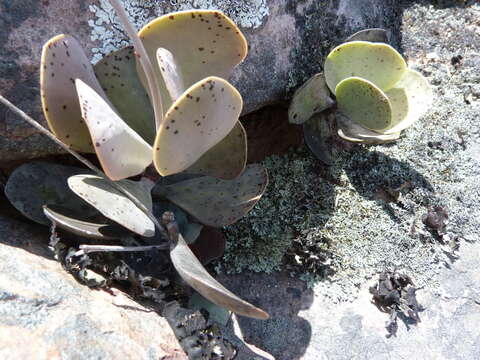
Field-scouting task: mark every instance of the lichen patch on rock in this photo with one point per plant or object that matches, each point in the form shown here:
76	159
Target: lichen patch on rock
107	31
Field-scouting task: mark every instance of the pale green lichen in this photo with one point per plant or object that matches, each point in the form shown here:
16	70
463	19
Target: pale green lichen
108	33
307	203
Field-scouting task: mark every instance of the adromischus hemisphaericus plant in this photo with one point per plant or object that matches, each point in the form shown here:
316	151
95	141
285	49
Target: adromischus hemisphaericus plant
179	63
377	95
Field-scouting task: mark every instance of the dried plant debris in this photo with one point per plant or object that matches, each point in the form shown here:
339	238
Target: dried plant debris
198	340
395	293
436	219
148	277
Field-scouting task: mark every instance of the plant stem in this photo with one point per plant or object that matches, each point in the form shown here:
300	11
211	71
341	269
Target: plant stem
85	249
87	163
152	81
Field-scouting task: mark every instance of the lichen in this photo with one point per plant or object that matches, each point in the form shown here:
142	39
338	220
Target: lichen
107	31
307	203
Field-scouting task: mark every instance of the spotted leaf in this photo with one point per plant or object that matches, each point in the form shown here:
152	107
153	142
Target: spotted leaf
121	151
204	43
113	204
117	73
378	63
197	121
217	202
312	97
410	99
63	61
227	159
364	103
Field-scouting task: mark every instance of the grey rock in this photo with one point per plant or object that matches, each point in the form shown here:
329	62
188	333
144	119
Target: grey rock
288	42
46	314
336	319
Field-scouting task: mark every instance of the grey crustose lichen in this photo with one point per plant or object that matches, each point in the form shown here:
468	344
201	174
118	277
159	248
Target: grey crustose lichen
108	33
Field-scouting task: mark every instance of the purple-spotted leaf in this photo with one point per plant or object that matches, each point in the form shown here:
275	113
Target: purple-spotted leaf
364	103
84	228
227	159
311	98
63	61
195	275
197	121
171	73
378	63
117	73
121	151
113	204
217	202
204	43
410	99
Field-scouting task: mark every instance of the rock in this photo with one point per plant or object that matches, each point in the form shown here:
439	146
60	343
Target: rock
288	42
46	314
336	319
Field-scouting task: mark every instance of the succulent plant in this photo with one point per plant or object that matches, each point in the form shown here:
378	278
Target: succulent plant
163	101
377	95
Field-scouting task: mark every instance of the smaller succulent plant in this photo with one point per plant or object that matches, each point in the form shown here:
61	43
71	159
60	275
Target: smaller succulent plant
377	95
116	110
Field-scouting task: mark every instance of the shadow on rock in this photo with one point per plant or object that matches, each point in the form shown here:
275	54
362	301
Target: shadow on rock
379	177
285	335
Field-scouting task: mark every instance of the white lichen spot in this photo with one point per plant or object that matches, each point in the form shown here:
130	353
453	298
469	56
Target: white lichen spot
108	32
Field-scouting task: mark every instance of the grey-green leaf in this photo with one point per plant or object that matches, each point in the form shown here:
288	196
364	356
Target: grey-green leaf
84	228
217	202
39	183
311	98
194	274
318	136
113	204
117	73
351	131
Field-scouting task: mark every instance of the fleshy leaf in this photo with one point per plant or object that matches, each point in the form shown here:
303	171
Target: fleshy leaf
312	97
364	103
39	183
216	202
117	73
194	274
197	121
227	159
114	205
317	135
372	35
410	99
63	61
204	42
84	228
378	63
171	73
121	151
353	132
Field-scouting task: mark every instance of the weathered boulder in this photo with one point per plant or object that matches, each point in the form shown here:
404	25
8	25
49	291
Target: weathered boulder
46	314
288	41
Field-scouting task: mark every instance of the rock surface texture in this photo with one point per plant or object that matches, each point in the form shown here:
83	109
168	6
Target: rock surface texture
288	42
46	314
336	319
